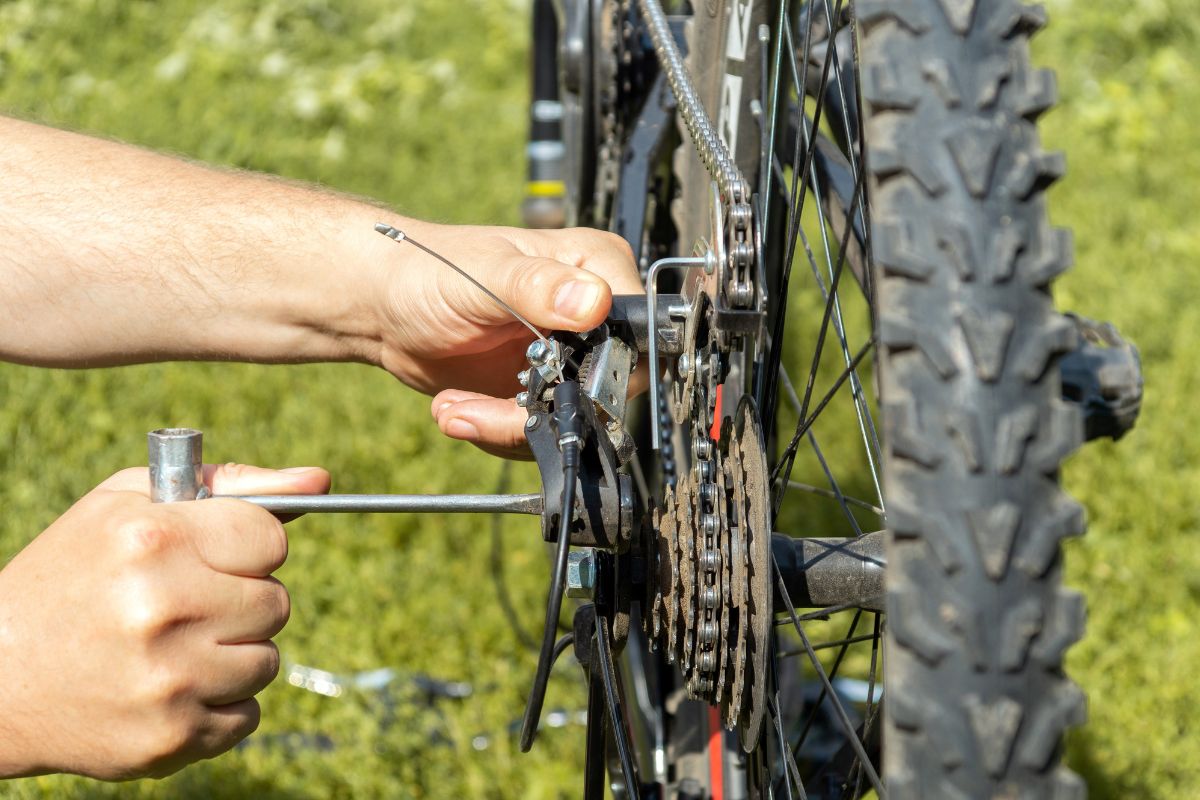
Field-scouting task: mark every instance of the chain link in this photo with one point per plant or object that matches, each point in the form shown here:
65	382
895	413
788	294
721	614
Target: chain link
714	155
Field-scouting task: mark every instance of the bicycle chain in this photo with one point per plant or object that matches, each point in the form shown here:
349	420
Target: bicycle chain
714	155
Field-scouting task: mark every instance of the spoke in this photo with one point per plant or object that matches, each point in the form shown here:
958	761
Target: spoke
837	490
826	316
769	155
872	708
868	250
866	637
792	771
823	613
839	710
861	141
798	190
837	663
836	493
817	490
871	442
789	452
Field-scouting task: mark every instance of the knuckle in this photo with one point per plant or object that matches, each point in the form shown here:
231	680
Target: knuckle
248	724
173	738
275	540
145	537
526	276
618	243
162	688
255	531
269	667
233	471
145	612
161	744
275	604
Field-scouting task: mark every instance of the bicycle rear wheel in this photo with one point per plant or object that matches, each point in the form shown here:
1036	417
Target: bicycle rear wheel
899	144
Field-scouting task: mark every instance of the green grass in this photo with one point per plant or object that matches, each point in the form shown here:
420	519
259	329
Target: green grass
421	104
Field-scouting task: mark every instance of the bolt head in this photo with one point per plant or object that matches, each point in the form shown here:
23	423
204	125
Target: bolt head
581	572
523	399
685	364
531	423
523	377
538	353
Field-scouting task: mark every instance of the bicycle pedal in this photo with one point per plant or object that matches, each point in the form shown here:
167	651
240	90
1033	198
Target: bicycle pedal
1104	375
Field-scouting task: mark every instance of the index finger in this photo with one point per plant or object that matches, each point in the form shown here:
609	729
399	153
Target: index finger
604	254
233	536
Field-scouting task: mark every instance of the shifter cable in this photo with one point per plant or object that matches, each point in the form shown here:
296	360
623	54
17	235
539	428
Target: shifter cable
397	235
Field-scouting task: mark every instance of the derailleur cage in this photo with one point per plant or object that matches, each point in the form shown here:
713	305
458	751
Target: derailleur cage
604	496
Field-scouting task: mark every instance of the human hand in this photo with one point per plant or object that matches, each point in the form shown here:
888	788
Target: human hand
134	636
446	337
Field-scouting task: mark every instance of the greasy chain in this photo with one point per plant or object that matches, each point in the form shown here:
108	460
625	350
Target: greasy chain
735	191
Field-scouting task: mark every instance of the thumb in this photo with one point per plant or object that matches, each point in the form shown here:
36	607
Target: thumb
245	479
232	479
548	293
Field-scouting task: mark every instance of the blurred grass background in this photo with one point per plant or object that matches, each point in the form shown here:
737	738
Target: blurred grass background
421	104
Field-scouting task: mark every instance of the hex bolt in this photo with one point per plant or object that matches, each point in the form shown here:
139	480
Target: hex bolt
523	399
684	364
581	572
538	353
523	377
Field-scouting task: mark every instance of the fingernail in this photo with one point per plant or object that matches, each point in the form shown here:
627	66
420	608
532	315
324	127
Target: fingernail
461	429
576	299
298	470
443	407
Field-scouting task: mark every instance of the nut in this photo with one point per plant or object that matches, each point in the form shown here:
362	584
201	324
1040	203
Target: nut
538	353
581	572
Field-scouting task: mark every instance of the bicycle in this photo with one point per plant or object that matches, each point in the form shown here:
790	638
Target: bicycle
912	139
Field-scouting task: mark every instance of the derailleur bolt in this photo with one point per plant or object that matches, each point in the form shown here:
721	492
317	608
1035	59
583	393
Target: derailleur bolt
523	377
581	572
523	399
538	353
684	365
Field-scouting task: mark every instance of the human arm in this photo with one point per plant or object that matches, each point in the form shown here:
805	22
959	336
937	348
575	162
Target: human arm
110	254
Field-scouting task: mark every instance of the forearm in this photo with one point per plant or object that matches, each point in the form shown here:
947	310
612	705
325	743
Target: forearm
112	255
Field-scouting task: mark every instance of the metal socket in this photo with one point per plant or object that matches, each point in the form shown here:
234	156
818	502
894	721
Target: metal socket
176	458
